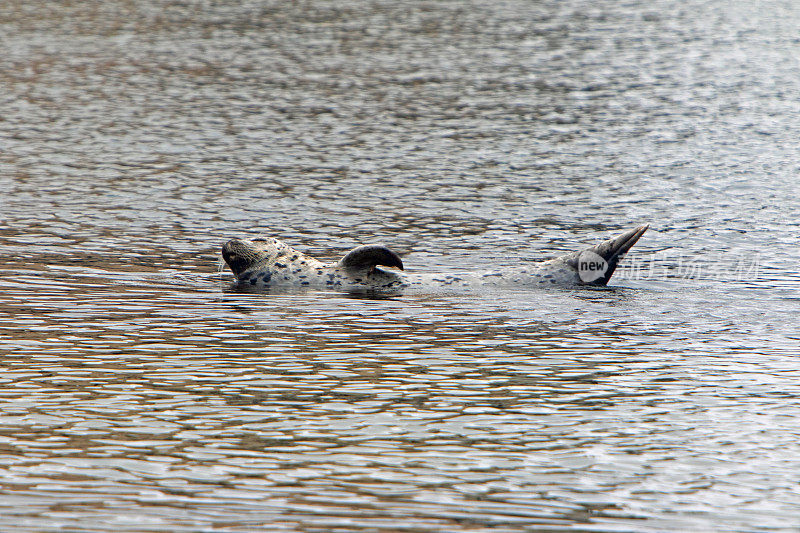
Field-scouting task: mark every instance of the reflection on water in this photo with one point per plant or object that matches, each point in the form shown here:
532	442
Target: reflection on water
140	392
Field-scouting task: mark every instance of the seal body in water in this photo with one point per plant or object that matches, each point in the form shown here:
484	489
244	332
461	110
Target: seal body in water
266	262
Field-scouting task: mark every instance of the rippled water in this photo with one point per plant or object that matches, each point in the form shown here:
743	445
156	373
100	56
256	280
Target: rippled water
140	392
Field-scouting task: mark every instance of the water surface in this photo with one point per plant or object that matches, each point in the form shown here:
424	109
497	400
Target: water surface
140	392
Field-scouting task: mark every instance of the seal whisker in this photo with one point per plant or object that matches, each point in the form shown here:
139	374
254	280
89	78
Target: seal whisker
220	268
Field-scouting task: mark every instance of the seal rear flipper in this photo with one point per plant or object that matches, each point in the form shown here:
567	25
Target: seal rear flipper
366	258
597	264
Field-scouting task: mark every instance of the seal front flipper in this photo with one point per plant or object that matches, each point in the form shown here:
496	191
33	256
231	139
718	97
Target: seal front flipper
366	258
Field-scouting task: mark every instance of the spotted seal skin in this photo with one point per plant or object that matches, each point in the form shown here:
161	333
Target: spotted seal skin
266	262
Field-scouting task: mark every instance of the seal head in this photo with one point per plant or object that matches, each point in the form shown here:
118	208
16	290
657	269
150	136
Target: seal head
243	255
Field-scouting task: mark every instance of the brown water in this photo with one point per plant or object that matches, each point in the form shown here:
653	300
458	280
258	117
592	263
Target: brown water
140	393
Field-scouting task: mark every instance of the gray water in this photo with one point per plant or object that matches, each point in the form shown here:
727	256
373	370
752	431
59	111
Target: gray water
140	392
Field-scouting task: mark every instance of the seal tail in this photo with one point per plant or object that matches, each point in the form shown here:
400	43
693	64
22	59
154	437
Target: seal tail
597	264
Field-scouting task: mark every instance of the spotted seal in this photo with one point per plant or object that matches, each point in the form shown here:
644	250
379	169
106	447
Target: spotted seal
266	262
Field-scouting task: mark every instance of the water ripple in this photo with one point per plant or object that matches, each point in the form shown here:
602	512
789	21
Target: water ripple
142	393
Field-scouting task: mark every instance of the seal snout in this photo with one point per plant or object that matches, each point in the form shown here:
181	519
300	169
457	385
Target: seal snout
228	249
234	254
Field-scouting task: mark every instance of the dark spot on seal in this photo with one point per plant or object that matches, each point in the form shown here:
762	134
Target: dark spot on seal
253	281
267	276
280	265
293	258
304	283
